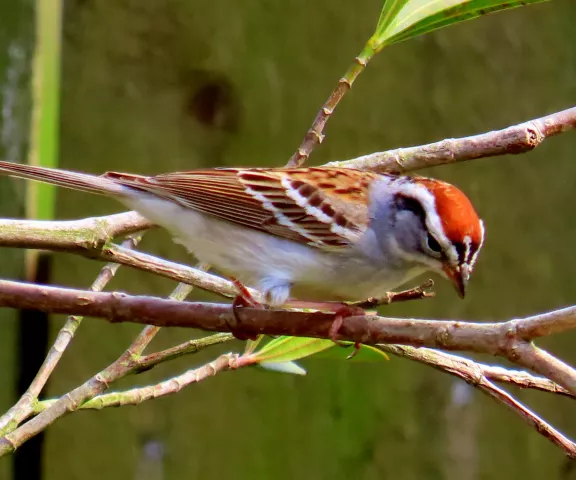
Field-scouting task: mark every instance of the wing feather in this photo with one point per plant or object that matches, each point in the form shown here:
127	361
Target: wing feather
322	207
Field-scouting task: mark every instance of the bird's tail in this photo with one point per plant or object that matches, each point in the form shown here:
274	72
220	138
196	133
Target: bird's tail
64	178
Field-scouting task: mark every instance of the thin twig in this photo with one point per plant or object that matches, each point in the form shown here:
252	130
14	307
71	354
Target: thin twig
22	409
315	135
138	395
417	293
128	363
476	375
448	362
191	346
74	400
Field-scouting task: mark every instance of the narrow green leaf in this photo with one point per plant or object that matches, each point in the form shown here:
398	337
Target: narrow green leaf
457	14
416	11
286	349
251	345
388	14
367	353
416	17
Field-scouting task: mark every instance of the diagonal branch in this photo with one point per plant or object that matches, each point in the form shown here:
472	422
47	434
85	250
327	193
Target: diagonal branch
74	400
512	140
91	237
139	395
447	363
175	271
23	408
315	134
476	375
129	362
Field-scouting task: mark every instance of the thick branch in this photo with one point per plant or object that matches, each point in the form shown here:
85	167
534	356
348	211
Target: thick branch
494	338
91	237
556	321
81	236
512	140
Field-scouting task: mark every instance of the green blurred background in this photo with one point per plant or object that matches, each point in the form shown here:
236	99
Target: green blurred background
151	86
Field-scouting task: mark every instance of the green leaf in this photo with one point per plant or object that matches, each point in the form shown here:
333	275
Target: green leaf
283	367
287	349
251	345
416	17
367	353
389	12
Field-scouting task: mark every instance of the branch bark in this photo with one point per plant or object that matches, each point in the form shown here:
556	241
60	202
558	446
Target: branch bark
511	140
470	370
74	400
139	395
477	375
84	236
23	408
501	339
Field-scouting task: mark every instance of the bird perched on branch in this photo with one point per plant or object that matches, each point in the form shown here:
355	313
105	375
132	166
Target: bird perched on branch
316	234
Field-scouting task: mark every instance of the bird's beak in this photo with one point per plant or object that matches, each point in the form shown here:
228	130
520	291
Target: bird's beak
459	277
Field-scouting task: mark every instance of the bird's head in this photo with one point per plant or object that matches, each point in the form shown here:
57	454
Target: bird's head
437	228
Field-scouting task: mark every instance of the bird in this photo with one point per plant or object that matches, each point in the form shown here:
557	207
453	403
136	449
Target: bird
312	234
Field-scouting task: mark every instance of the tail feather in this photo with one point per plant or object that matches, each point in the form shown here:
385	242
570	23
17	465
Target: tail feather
64	178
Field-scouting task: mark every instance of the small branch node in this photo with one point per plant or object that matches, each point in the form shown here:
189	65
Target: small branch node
346	82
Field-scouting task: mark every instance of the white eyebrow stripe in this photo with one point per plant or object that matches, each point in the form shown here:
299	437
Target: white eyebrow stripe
433	221
475	255
468	244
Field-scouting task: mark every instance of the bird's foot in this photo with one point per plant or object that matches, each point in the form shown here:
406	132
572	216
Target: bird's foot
341	310
244	299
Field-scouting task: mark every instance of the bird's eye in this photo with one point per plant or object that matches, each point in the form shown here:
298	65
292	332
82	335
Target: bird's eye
433	244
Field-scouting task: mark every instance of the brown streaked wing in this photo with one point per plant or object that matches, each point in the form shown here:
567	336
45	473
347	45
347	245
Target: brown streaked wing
344	193
211	191
258	199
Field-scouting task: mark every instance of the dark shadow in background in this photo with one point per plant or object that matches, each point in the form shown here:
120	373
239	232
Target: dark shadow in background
32	345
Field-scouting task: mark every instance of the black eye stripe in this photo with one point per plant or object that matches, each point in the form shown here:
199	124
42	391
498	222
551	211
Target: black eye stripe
433	244
465	252
411	205
461	251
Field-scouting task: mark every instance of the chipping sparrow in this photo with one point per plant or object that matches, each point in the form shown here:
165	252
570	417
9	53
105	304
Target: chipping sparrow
307	233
